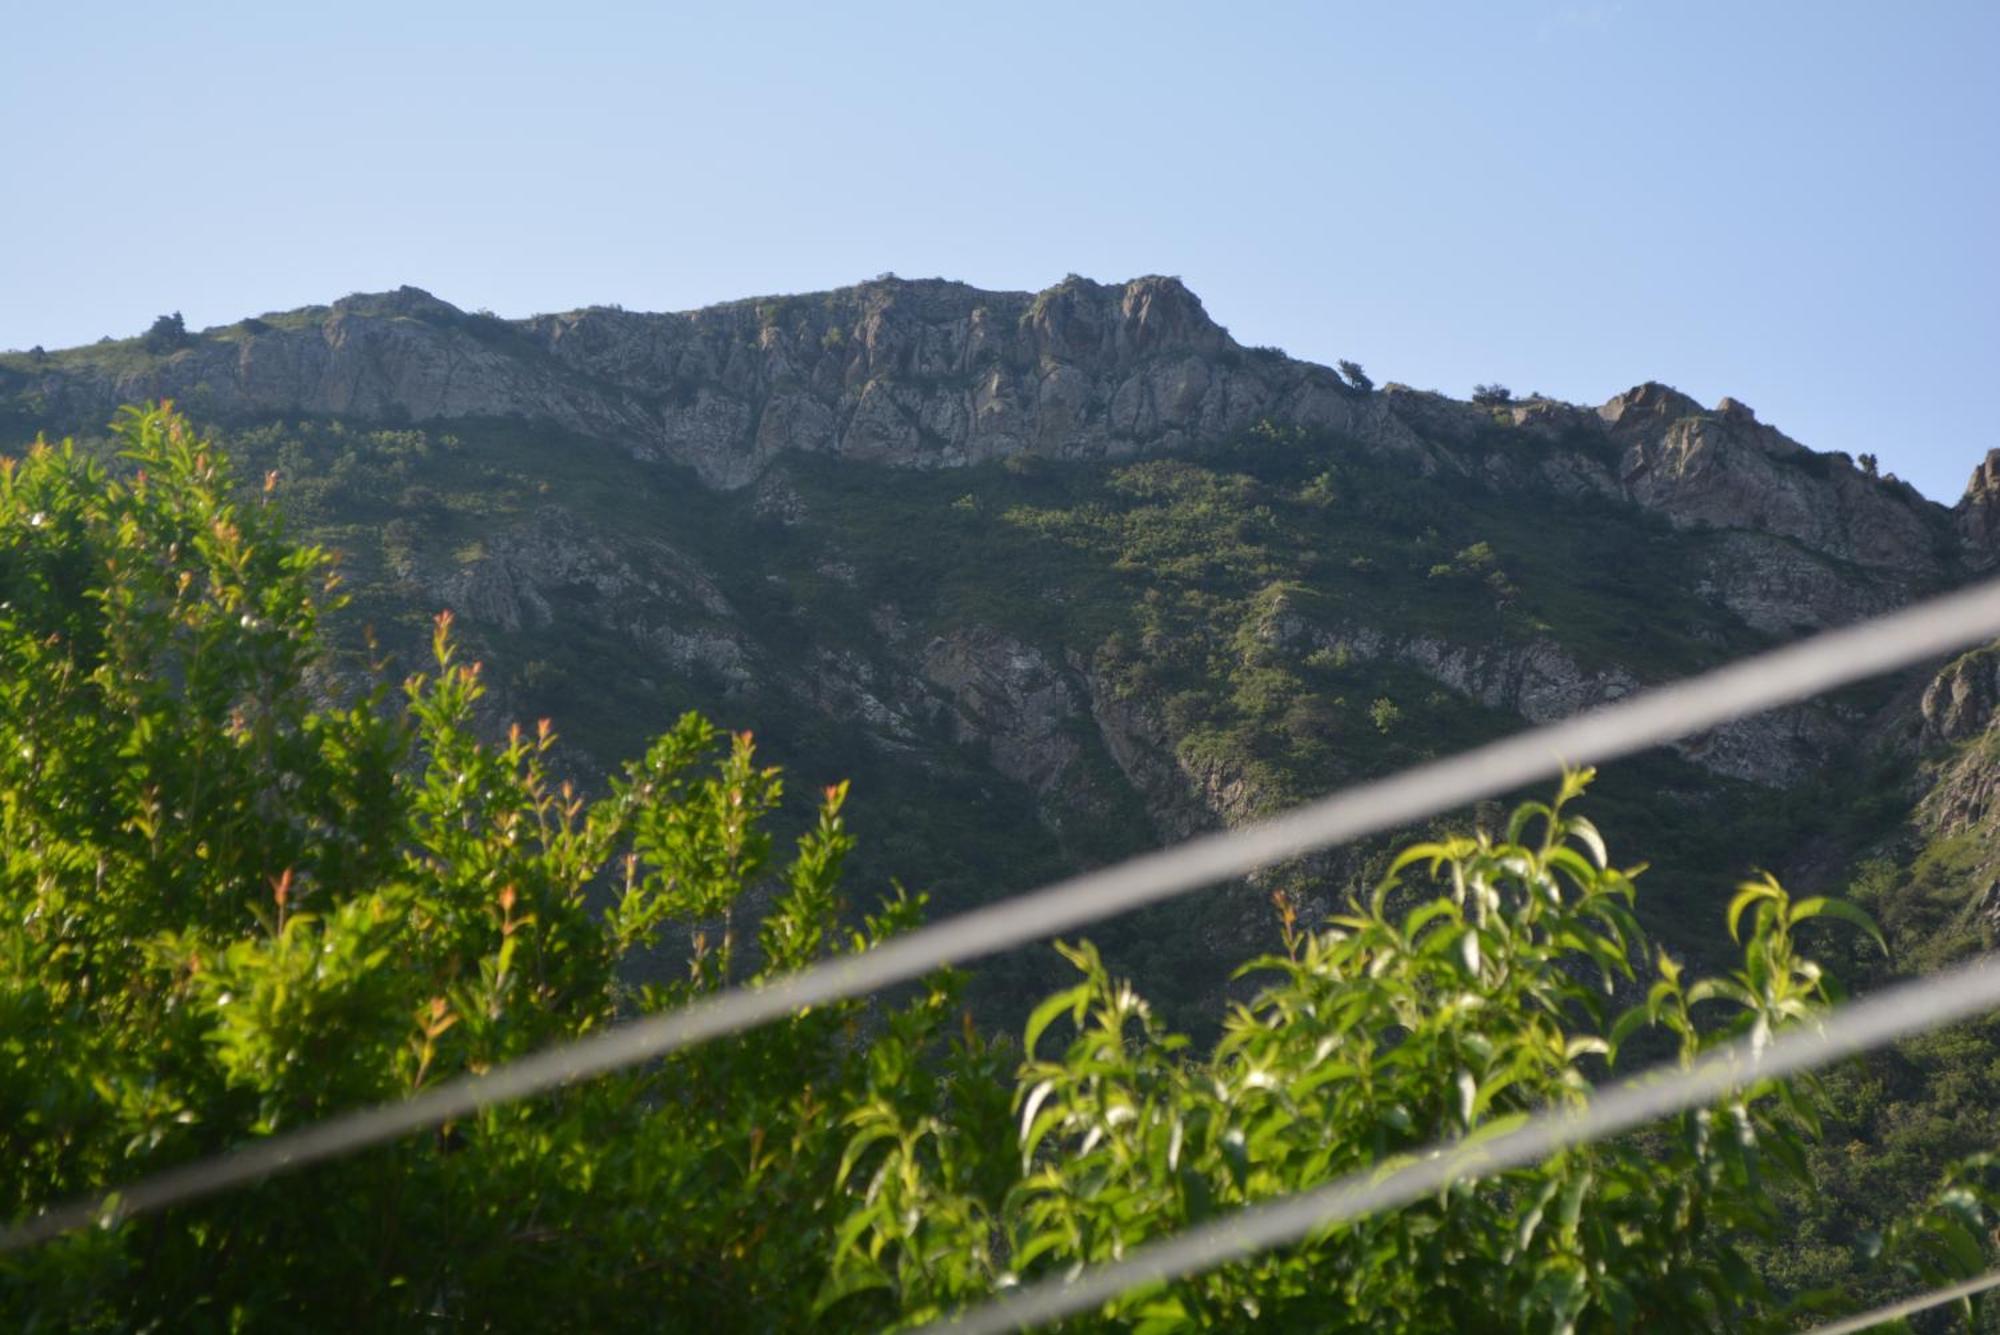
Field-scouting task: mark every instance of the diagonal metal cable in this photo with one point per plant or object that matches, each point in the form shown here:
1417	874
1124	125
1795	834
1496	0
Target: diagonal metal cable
1898	1012
1822	663
1923	1302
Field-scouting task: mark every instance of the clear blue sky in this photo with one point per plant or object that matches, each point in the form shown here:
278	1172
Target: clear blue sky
1794	203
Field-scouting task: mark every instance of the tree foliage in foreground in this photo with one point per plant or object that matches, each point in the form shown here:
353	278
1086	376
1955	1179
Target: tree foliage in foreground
231	908
1445	1008
236	897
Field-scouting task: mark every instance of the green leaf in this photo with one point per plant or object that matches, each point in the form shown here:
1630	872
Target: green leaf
1633	1020
847	1281
1750	892
1531	1220
1587	833
858	1146
1845	911
1071	999
1571	1209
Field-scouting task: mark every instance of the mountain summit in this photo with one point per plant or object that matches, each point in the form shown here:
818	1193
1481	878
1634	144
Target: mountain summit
937	374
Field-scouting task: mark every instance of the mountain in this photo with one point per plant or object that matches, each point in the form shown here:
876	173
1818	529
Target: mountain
1062	575
1057	577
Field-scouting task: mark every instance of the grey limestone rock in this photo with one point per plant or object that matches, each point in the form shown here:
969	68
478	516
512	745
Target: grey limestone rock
1960	702
1727	470
938	374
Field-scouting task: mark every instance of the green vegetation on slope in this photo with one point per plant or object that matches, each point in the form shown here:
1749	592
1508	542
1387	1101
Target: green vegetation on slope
1894	1118
229	908
1227	598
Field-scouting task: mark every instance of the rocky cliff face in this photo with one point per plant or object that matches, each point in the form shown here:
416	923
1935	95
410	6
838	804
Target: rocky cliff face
921	374
1978	514
934	374
648	593
1725	469
1961	701
1540	683
393	357
1956	820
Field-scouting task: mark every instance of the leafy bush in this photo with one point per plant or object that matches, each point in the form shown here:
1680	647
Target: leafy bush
166	334
1445	1005
231	908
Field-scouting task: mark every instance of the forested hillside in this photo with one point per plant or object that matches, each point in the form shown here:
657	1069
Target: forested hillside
1053	578
1076	561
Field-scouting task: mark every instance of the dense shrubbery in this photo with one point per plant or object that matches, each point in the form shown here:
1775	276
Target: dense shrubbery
231	908
1433	1011
238	894
166	334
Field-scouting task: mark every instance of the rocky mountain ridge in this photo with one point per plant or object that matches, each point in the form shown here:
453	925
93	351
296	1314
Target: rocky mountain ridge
936	374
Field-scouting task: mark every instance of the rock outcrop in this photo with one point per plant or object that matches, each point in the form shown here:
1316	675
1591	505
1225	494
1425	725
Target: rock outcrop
1977	515
647	593
1726	470
1782	587
937	374
1008	696
389	357
921	374
1961	700
1958	812
1539	682
1139	742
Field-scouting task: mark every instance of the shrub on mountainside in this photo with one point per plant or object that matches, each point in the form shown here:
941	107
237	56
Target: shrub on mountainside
237	896
166	334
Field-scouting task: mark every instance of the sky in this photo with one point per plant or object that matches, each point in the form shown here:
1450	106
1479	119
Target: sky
1797	204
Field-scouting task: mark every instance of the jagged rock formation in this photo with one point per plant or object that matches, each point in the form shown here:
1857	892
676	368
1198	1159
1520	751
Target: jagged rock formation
925	374
1978	514
1138	741
1783	587
1728	470
1541	683
648	592
1960	702
1955	823
1030	713
937	374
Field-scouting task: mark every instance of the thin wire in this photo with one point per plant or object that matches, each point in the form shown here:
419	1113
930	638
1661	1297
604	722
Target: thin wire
1923	1302
1824	662
1896	1013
